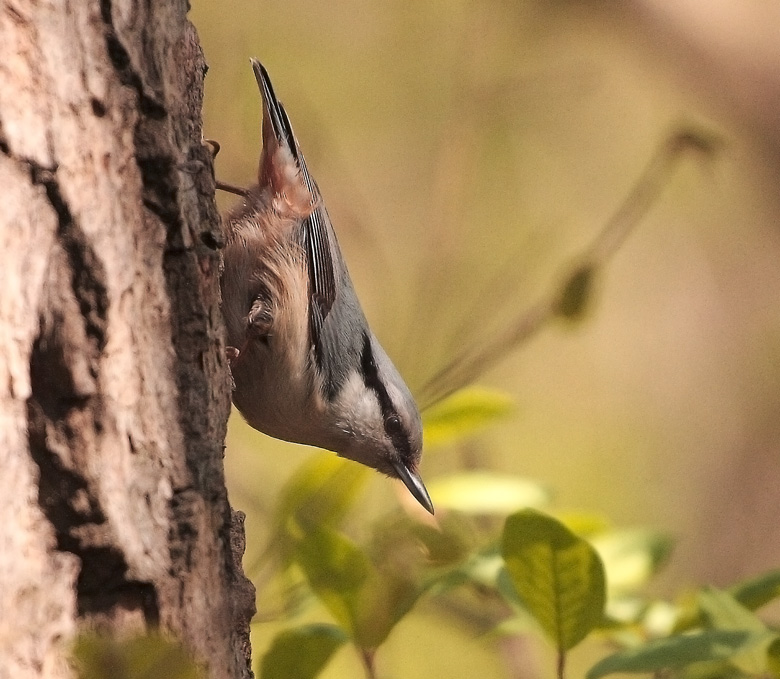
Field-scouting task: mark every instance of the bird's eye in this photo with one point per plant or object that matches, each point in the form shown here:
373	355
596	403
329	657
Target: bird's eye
393	424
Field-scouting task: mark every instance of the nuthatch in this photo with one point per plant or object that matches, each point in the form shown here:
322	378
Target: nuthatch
306	366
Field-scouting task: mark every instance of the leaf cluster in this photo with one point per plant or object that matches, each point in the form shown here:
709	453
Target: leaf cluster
490	558
495	561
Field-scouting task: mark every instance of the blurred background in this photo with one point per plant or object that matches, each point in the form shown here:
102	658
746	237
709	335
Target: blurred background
467	151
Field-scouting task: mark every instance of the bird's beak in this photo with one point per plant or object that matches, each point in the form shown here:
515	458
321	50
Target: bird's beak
415	485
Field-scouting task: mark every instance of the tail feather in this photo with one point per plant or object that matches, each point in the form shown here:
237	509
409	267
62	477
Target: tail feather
283	167
280	161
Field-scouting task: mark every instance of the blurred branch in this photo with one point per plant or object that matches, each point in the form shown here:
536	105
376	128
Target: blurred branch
569	295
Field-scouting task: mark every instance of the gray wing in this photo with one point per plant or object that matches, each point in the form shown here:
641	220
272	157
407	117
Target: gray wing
317	238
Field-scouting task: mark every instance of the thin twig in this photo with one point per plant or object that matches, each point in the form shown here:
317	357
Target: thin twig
465	368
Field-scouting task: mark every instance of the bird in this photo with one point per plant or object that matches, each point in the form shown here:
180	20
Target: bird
305	365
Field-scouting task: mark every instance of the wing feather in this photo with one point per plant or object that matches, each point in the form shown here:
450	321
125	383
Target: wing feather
318	239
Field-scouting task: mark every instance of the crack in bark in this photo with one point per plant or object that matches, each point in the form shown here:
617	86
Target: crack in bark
161	190
54	415
4	148
157	169
88	272
63	400
157	160
149	105
184	528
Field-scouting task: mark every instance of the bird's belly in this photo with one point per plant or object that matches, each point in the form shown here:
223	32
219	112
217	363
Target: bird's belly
279	399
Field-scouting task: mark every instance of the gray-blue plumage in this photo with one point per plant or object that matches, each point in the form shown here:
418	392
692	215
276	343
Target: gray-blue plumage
306	366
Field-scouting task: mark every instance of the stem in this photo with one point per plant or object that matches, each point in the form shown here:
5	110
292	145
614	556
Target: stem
656	176
367	655
561	663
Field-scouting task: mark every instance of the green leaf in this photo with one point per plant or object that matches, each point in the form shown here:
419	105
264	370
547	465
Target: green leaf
558	576
322	490
366	600
660	618
301	652
675	652
758	591
146	657
284	593
752	594
773	658
408	545
506	588
481	569
486	493
336	570
485	568
631	557
464	413
386	599
724	612
584	524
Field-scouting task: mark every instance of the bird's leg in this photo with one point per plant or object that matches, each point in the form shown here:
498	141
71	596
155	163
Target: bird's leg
258	326
259	321
231	188
214	147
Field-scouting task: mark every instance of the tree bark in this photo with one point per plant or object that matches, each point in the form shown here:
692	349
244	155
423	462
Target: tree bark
114	391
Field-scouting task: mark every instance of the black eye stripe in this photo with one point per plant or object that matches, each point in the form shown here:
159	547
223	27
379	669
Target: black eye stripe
392	422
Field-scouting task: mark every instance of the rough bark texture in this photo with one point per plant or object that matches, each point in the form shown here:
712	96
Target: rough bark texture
113	387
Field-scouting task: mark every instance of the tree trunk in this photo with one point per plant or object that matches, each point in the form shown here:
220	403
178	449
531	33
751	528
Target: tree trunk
114	393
